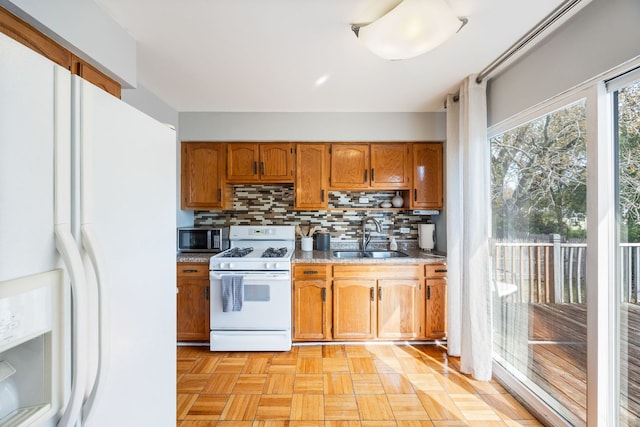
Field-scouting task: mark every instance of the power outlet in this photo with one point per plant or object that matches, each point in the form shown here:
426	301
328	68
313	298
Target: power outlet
405	230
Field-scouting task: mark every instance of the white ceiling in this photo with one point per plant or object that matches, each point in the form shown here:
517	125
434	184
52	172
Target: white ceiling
270	55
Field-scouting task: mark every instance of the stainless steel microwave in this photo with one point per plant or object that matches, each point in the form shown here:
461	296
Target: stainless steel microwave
203	239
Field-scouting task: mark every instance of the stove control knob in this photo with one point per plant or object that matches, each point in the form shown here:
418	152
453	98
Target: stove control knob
223	265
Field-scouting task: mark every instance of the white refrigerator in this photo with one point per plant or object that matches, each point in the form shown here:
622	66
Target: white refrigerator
87	253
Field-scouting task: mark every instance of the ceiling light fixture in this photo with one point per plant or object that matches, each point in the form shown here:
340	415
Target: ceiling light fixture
410	29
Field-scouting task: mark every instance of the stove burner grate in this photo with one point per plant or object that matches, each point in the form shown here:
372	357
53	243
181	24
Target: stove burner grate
237	252
274	253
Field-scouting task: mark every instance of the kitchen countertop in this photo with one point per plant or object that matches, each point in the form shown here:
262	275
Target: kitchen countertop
194	256
300	256
415	256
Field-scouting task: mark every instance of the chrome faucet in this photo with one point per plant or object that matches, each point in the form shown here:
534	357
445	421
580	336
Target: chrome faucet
365	239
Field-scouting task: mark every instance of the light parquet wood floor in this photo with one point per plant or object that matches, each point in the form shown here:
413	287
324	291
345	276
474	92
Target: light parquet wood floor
338	386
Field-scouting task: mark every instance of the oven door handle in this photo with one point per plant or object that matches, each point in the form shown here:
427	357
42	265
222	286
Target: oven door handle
251	275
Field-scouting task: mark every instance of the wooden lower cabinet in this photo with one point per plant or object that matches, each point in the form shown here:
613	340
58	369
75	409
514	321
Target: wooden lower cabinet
436	308
354	308
311	302
400	308
193	302
369	302
378	302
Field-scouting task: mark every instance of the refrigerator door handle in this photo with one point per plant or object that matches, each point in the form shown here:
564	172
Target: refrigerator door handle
92	249
66	245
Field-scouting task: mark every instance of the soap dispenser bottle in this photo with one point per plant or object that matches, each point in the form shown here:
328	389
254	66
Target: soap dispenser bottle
393	245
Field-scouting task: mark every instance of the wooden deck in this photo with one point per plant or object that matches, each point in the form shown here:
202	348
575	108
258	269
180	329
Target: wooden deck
556	354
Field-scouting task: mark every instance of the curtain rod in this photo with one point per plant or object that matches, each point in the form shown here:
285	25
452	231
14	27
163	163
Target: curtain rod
543	25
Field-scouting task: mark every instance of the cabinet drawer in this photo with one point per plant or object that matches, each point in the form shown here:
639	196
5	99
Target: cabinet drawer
310	271
435	270
193	269
377	271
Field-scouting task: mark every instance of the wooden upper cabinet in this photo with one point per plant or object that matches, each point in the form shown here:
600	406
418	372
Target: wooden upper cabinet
259	162
29	36
376	165
202	176
427	169
276	162
24	33
350	166
311	184
242	162
95	77
390	166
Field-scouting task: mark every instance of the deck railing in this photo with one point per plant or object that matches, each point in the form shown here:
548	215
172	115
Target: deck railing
555	272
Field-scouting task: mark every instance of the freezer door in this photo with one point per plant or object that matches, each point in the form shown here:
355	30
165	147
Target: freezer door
27	130
34	115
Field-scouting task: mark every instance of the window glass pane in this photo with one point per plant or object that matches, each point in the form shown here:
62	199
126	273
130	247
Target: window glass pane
627	107
539	187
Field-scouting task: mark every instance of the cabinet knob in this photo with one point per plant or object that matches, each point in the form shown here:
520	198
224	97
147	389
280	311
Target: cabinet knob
324	294
379	293
366	174
372	292
428	292
189	271
373	176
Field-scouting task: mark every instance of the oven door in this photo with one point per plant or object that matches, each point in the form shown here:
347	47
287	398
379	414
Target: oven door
266	305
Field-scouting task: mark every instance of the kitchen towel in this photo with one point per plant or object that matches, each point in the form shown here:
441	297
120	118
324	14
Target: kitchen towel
232	293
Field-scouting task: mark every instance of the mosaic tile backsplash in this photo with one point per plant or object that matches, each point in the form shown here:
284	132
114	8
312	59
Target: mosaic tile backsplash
273	205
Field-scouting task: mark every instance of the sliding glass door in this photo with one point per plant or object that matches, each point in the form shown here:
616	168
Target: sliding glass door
539	230
626	107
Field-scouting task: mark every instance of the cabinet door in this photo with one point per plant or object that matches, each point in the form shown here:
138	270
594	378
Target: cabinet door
350	166
311	176
427	176
354	309
436	322
276	162
242	162
400	308
311	304
193	309
390	167
202	175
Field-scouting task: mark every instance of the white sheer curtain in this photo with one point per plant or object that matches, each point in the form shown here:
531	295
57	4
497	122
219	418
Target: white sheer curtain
468	208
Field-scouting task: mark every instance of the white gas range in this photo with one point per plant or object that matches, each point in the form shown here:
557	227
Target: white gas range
251	290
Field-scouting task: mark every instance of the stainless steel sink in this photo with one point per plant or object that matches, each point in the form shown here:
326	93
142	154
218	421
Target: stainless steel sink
369	254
